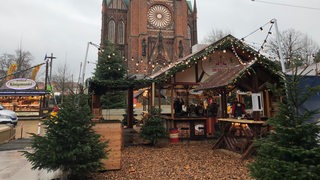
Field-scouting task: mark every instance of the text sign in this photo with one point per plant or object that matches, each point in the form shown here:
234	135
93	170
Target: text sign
21	83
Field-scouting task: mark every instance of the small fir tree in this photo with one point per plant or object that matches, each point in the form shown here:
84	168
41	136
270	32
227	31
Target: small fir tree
292	151
70	144
153	128
110	67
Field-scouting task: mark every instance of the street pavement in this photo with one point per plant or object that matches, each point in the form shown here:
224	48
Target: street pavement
13	165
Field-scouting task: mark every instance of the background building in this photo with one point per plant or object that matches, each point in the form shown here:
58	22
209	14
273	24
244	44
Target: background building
151	34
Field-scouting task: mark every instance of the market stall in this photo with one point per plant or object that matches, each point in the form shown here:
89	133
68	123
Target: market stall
22	96
223	70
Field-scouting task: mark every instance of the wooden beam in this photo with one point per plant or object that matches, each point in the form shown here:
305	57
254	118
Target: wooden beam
224	112
267	103
172	106
152	93
130	108
159	98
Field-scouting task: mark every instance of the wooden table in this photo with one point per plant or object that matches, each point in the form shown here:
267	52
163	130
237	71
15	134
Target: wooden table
238	135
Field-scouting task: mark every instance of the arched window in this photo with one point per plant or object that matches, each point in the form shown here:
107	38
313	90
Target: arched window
121	30
189	32
116	4
111	31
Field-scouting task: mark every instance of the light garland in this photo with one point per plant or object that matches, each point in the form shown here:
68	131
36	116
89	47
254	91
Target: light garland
237	56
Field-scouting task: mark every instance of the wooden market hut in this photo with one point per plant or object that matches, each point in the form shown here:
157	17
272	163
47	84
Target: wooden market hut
228	65
99	87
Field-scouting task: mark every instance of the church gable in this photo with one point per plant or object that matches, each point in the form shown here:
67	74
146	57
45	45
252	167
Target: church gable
117	4
134	26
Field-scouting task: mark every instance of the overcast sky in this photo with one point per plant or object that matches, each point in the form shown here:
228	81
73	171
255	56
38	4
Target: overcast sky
64	27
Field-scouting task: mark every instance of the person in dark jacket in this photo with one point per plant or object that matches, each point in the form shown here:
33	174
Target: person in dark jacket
238	109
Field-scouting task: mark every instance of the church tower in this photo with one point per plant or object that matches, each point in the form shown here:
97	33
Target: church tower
151	34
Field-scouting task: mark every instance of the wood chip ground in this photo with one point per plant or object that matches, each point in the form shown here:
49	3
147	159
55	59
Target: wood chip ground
194	160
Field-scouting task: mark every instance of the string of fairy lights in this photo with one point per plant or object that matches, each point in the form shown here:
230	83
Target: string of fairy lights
235	45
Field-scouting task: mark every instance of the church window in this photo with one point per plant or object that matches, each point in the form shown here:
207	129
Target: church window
117	4
189	32
111	31
121	32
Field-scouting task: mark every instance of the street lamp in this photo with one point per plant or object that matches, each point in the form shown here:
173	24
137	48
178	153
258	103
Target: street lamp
86	60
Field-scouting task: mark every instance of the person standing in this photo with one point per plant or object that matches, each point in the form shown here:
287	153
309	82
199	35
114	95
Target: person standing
229	109
238	109
212	117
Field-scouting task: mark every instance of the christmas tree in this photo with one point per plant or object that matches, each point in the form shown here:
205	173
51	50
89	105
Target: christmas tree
110	67
153	128
69	144
291	150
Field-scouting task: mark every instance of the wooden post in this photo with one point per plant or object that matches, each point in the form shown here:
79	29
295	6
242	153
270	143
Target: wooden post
130	108
44	102
152	94
96	107
159	98
224	112
267	104
172	106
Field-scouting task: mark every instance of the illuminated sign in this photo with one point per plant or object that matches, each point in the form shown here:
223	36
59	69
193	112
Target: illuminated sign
21	83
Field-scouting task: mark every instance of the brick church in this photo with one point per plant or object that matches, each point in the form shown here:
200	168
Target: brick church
151	34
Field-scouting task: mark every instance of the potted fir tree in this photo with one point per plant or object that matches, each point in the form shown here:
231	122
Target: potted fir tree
70	144
153	129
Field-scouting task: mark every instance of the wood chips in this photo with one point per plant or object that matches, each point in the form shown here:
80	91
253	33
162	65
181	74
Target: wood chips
183	160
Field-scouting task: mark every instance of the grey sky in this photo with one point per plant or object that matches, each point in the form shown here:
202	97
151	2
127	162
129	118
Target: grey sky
64	27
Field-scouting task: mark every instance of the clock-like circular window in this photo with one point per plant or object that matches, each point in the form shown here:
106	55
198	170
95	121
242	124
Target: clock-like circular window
159	16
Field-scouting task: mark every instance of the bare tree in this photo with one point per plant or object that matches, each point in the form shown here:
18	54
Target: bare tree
22	59
297	48
5	61
63	81
215	35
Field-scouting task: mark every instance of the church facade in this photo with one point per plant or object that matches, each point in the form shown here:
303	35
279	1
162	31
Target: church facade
151	34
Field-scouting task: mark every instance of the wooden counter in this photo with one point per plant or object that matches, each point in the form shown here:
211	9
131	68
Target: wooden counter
241	121
183	118
188	127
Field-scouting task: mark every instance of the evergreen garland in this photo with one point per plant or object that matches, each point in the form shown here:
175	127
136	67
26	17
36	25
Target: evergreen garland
99	85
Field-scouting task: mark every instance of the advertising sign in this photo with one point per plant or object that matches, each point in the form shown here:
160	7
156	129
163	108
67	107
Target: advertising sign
21	83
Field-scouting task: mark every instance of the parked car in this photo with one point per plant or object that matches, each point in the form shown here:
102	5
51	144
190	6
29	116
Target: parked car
8	116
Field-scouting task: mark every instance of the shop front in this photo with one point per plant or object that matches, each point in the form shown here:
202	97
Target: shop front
22	96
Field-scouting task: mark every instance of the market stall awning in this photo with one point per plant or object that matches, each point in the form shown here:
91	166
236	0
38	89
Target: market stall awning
27	92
